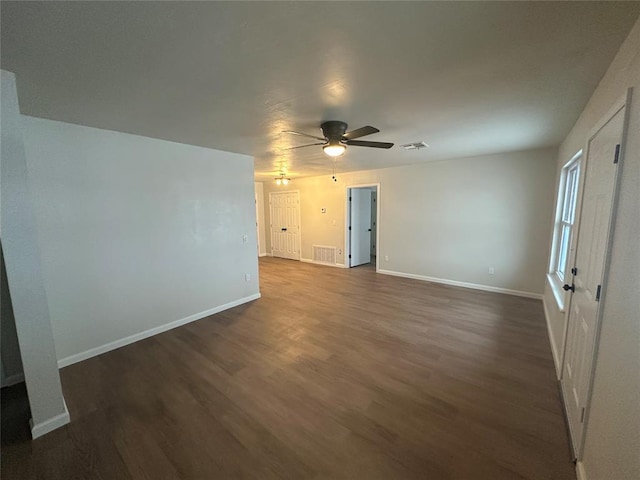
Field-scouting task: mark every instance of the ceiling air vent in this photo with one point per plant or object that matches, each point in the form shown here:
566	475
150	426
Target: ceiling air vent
415	146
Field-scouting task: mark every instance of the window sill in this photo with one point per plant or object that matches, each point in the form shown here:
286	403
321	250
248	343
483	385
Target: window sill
558	293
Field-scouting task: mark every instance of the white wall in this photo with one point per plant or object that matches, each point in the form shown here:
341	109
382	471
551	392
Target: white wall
24	269
136	234
259	186
612	445
450	220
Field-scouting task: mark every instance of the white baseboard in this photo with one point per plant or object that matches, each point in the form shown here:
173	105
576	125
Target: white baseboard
580	473
14	379
47	426
554	350
308	260
262	254
456	283
78	357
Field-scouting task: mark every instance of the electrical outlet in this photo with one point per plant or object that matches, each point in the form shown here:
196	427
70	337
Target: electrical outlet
247	277
339	251
386	258
491	271
245	238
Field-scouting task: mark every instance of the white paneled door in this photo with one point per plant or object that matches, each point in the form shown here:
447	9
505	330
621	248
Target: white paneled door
588	275
285	224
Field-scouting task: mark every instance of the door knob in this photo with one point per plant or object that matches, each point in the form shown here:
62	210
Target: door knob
369	229
284	229
571	287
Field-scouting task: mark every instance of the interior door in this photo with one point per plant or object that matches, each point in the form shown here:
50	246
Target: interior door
285	224
360	226
592	241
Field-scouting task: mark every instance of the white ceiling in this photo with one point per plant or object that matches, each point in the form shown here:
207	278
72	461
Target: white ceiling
468	78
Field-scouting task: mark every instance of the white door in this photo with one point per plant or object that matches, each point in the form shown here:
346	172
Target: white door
360	226
285	224
592	241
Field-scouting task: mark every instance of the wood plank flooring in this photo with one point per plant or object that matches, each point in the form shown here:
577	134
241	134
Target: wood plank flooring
332	374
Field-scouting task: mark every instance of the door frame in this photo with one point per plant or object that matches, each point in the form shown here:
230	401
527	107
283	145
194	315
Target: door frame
299	223
347	217
623	102
255	196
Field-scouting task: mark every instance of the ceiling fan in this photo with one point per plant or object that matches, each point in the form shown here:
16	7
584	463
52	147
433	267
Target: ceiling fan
336	138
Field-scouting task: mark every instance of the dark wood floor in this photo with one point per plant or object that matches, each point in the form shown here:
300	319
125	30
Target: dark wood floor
332	374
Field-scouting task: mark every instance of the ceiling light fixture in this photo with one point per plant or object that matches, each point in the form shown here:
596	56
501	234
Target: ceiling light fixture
334	148
282	180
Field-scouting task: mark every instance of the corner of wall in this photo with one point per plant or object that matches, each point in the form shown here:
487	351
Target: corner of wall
580	473
25	279
42	428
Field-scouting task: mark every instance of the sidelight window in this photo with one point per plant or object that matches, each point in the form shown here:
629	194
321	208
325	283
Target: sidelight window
564	226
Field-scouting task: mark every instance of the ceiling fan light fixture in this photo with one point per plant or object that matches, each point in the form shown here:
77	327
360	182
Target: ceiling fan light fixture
334	149
336	138
282	180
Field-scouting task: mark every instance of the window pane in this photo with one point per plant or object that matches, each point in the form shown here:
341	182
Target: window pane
574	173
569	200
563	251
566	212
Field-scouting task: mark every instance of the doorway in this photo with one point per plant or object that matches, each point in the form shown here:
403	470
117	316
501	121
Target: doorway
285	224
588	285
363	213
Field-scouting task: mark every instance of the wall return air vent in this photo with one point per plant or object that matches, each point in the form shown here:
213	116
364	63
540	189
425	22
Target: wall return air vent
415	146
322	254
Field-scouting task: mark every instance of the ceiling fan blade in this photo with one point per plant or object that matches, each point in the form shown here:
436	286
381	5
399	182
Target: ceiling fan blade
304	135
364	143
360	132
308	145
